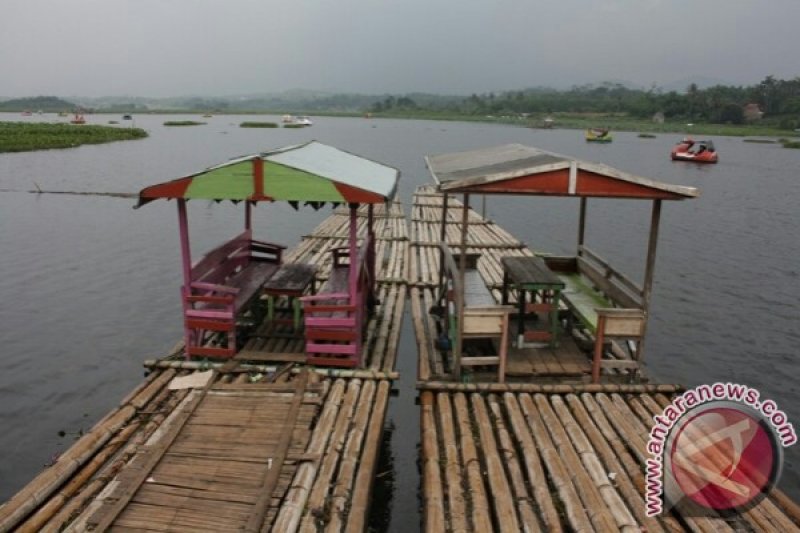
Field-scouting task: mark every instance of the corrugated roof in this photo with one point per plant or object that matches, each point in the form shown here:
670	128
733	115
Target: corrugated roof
310	172
338	165
520	169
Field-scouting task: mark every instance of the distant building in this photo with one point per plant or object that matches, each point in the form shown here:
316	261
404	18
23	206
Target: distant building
752	113
658	117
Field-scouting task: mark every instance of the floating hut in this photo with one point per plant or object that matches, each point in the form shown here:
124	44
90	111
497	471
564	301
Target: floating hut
535	408
241	427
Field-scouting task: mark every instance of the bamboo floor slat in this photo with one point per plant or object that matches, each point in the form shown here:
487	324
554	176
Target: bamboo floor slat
548	462
212	475
543	451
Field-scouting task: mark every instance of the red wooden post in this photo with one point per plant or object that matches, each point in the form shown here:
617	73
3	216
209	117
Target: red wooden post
258	178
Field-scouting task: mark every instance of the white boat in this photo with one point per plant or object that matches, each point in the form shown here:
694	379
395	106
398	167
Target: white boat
297	121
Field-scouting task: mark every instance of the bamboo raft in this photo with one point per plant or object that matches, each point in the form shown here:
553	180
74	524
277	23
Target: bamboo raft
258	443
550	452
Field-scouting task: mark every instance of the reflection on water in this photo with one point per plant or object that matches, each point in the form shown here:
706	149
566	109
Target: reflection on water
90	286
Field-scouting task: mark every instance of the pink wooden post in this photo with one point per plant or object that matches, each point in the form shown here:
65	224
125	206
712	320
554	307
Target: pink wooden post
353	278
186	262
371	249
355	296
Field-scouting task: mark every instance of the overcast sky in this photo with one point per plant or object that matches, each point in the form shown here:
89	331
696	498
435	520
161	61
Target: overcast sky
225	47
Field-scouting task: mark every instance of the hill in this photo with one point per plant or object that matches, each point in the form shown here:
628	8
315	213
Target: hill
37	103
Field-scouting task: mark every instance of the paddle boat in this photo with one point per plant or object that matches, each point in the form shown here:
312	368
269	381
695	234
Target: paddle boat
696	151
599	135
78	119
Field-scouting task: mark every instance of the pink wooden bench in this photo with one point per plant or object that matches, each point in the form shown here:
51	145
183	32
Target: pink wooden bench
335	316
224	284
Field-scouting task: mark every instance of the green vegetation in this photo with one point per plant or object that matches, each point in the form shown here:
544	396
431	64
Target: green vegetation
49	104
295	126
787	143
760	141
23	137
258	125
647	136
718	110
183	123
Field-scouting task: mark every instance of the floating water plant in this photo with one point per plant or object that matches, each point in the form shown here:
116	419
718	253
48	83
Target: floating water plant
183	123
23	137
258	125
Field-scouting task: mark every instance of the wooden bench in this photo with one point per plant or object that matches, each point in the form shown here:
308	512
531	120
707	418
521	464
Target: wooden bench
334	317
482	317
224	284
604	302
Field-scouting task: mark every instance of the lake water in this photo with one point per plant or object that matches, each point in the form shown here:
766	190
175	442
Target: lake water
90	286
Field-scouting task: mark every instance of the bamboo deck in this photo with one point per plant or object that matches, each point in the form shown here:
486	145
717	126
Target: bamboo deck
545	451
265	444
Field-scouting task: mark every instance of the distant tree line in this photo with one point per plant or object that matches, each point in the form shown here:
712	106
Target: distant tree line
778	99
37	103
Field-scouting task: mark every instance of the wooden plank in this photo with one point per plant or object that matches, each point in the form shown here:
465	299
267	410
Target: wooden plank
270	479
103	518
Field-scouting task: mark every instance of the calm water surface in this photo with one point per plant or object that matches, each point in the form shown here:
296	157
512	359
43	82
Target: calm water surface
90	286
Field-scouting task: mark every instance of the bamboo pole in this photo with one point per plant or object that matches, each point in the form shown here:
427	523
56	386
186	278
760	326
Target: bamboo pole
533	466
506	456
334	373
43	485
600	515
316	504
624	483
167	400
594	467
620	416
342	488
546	388
573	509
476	493
421	336
432	500
53	504
295	501
452	464
359	504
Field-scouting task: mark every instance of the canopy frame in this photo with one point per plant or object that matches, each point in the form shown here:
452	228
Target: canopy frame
298	159
516	169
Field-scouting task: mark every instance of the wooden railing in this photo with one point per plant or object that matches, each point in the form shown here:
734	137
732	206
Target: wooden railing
606	303
222	285
335	317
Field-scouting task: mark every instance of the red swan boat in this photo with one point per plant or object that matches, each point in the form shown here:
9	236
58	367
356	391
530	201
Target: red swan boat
697	151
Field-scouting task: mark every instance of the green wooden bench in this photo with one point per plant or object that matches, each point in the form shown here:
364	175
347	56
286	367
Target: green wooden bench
604	302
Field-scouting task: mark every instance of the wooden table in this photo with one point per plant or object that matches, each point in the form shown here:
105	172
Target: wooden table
530	275
291	280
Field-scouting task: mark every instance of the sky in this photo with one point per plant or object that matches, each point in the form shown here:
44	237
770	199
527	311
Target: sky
161	48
